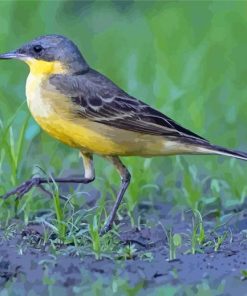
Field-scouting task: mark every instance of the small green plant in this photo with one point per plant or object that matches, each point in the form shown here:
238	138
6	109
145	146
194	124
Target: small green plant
102	246
61	225
219	240
243	275
174	241
127	252
146	256
58	225
95	237
198	238
12	147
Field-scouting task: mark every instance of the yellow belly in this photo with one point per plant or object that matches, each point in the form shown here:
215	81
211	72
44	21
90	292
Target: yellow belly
100	139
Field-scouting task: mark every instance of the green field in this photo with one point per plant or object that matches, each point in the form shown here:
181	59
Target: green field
185	58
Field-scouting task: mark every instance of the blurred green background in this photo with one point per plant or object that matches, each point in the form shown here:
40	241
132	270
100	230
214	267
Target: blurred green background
186	58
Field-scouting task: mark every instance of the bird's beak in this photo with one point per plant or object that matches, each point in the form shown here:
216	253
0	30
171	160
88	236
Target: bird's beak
12	55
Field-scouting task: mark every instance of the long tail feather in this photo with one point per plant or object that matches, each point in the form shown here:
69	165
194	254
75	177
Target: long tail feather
227	152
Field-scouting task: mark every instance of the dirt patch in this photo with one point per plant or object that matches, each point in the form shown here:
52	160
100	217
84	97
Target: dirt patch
27	266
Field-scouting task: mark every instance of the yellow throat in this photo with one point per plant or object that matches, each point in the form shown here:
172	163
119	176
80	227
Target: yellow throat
39	67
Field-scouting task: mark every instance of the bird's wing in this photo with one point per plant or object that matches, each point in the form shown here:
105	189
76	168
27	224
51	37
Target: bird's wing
97	98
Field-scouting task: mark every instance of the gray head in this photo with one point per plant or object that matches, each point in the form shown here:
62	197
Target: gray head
51	48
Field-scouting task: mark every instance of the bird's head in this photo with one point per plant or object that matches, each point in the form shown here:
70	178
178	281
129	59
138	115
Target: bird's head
50	54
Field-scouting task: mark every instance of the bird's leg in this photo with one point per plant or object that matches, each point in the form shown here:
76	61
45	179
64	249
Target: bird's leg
125	180
26	186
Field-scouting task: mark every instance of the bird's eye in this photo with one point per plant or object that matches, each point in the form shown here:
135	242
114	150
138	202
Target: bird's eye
37	48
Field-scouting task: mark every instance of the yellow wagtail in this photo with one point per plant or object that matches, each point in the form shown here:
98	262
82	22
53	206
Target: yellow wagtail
84	109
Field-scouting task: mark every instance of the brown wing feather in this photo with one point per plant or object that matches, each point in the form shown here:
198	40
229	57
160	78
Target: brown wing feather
97	98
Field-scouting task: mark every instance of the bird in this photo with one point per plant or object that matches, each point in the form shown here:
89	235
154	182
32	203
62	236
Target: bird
84	109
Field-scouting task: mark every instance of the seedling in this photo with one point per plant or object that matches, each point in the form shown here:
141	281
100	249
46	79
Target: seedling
219	240
127	252
174	241
146	256
94	233
197	239
244	275
198	232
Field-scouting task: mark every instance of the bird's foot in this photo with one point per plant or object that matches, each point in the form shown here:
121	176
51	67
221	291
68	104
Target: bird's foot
25	187
104	230
107	227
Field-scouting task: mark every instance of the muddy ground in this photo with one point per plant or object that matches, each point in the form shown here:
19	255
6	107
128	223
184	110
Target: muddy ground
26	269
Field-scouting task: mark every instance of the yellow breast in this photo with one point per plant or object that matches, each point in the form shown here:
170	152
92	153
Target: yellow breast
38	103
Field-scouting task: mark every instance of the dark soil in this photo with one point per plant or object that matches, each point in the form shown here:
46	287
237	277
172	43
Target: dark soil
27	267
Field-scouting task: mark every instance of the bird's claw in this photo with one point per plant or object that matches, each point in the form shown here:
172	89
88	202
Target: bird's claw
107	227
22	189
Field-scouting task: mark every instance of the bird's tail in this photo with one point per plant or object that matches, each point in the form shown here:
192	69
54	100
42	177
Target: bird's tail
214	149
